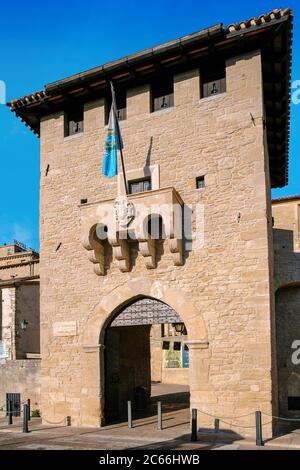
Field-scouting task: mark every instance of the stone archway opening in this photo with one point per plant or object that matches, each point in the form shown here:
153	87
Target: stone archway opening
146	359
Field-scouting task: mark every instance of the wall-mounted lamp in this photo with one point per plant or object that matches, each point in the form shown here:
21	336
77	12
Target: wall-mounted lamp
180	328
23	324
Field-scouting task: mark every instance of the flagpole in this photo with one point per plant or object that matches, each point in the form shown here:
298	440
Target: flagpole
121	150
123	168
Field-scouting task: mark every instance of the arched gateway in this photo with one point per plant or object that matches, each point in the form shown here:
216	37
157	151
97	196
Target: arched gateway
146	354
138	304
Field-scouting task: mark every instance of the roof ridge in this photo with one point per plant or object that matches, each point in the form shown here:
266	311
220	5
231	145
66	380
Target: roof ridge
286	198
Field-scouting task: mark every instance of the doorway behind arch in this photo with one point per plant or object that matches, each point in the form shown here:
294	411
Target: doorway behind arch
146	360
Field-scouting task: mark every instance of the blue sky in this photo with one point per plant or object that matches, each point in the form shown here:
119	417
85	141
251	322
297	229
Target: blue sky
44	41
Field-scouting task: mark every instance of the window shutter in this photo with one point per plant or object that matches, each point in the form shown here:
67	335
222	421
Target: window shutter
80	126
223	85
205	90
121	113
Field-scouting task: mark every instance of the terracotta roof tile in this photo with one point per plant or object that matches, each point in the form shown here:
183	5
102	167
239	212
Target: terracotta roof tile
36	97
257	21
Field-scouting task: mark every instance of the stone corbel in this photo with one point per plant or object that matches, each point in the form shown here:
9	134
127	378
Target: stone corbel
121	252
96	252
176	249
92	348
147	248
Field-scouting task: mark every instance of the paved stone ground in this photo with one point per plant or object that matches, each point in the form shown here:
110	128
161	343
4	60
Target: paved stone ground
159	389
144	435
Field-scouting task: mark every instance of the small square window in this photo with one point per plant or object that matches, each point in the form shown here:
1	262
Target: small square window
139	186
200	182
213	79
74	121
162	94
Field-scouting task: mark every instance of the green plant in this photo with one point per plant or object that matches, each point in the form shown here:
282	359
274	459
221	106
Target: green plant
36	414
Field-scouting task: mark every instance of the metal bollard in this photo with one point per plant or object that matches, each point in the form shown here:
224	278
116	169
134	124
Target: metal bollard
217	425
129	412
29	412
159	416
25	418
9	412
194	425
259	439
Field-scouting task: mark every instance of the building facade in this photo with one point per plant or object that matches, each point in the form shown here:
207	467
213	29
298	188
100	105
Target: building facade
204	121
19	323
286	213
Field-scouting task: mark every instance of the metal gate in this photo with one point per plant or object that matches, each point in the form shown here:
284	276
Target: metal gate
146	312
15	399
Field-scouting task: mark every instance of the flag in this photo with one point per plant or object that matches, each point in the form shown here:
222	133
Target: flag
113	142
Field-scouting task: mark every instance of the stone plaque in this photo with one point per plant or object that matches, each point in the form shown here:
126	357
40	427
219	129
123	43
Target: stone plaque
66	328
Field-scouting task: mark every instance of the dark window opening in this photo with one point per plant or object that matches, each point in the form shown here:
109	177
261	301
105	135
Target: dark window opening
74	121
200	182
293	403
139	186
213	79
162	94
13	404
121	101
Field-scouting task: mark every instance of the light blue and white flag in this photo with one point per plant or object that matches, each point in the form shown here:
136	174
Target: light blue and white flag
113	142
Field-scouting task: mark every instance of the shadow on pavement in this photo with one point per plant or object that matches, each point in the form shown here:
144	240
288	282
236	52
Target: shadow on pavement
170	402
207	440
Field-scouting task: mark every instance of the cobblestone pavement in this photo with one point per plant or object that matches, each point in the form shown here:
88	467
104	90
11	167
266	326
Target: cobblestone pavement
144	435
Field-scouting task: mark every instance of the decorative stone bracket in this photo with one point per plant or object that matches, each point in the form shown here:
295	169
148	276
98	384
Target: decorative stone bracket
96	251
101	228
147	248
121	252
176	248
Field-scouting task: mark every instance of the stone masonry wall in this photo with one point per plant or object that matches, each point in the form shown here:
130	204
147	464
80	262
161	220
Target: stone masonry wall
12	268
7	312
227	280
21	377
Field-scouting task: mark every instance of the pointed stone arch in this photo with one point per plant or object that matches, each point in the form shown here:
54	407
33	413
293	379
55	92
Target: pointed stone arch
138	288
93	340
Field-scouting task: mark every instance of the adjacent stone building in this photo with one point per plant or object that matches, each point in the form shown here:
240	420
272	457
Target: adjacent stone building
19	323
286	213
204	121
